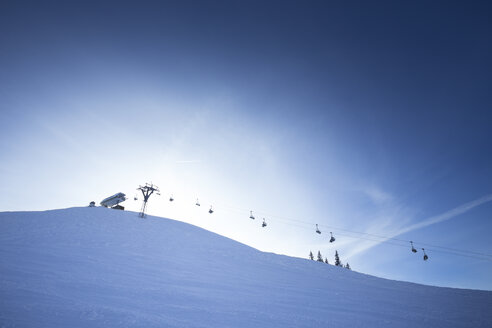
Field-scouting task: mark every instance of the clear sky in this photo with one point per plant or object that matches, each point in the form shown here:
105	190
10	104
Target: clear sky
360	116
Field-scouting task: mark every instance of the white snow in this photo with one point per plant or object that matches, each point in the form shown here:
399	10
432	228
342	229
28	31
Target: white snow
98	267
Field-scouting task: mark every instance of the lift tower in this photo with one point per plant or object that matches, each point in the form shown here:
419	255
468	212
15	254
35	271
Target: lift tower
147	190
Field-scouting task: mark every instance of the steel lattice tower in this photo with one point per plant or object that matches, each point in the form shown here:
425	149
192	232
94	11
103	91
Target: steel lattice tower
147	190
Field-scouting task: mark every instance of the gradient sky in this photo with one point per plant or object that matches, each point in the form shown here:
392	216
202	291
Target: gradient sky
365	116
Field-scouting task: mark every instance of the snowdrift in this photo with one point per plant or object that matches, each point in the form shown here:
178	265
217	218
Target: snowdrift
97	267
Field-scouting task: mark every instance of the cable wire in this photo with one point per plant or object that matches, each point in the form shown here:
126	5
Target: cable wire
377	238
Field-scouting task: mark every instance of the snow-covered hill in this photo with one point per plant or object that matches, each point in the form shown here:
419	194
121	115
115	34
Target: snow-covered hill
97	267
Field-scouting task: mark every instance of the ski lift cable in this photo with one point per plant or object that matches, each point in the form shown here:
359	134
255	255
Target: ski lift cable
369	237
387	240
392	243
381	238
377	239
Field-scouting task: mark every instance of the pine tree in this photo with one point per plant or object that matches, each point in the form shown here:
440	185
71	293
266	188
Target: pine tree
347	266
311	256
326	261
320	257
337	259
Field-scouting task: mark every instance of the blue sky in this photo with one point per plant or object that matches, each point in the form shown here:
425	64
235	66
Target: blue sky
372	117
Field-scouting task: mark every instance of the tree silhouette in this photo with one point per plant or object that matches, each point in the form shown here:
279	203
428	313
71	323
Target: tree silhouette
337	259
320	257
311	256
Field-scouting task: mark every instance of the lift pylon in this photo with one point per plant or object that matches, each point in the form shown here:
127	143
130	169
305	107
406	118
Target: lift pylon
147	190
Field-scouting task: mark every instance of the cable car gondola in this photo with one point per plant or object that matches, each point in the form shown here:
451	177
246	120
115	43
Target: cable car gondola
264	224
413	248
251	215
332	239
210	210
171	198
425	255
317	230
197	202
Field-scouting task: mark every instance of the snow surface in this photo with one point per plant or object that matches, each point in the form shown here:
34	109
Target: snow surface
97	267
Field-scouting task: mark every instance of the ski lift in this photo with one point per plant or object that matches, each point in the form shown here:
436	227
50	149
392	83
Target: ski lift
135	197
425	255
317	230
171	198
264	224
251	215
210	210
413	248
197	202
332	239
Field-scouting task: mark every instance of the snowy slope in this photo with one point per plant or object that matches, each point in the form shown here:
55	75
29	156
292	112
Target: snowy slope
97	267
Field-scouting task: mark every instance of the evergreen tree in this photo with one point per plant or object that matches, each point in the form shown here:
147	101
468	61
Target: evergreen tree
337	259
311	256
326	261
320	257
347	266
